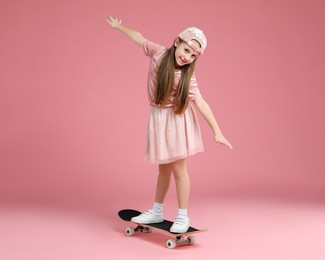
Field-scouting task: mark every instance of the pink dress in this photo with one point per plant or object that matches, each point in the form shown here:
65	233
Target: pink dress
170	136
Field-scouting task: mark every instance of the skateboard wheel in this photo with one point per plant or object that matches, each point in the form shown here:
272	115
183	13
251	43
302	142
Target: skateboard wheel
191	240
129	231
171	244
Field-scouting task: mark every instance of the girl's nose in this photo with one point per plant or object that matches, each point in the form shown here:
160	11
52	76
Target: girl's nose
187	57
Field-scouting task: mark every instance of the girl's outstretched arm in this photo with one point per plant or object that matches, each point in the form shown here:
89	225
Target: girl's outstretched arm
207	114
131	34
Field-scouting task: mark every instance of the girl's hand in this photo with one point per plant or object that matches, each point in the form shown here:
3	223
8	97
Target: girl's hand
114	22
133	35
219	138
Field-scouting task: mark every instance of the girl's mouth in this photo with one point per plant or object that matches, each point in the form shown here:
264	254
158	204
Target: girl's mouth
182	61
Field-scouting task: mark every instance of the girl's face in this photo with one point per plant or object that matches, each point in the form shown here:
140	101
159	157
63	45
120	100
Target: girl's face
184	54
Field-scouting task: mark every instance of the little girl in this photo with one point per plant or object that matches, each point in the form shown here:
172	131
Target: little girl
173	131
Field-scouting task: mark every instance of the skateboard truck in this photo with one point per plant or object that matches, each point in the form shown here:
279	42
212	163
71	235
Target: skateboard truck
130	231
180	240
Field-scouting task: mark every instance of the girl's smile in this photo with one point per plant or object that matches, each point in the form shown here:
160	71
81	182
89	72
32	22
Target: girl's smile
184	54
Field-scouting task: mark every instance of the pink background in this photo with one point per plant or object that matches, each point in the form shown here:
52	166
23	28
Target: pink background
74	107
73	115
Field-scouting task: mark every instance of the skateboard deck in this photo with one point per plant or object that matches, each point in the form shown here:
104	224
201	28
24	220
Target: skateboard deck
186	238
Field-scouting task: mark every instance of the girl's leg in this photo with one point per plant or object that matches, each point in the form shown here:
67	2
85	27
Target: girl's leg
182	182
163	182
155	215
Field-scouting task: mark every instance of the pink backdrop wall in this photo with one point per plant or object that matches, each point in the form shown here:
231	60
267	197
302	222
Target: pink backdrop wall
73	106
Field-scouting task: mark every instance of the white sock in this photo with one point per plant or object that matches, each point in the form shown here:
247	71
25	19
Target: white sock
182	213
158	208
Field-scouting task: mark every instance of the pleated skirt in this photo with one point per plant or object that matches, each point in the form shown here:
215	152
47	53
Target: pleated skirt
171	136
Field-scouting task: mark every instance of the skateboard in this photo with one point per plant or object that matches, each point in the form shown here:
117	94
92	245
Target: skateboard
186	238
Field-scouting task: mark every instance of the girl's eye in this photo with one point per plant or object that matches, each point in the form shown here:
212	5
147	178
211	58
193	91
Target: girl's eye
186	50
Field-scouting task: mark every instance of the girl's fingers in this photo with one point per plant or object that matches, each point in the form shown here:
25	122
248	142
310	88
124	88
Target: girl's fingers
228	145
225	142
113	20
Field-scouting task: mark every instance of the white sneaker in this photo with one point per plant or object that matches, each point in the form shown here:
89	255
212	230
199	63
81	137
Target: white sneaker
180	225
148	217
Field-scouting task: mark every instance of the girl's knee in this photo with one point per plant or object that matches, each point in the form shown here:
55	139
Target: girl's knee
180	164
179	168
165	168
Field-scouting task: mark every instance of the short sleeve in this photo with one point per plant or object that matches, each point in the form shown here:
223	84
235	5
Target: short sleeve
194	91
150	48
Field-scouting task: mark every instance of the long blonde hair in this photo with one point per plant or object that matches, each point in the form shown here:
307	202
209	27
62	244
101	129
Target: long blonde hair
166	80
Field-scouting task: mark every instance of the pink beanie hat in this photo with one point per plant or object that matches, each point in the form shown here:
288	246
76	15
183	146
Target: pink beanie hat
193	33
